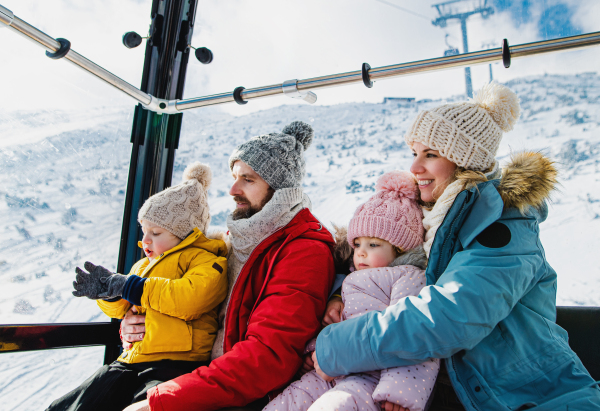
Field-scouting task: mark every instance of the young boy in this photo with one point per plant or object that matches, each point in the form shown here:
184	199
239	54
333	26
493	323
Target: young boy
178	285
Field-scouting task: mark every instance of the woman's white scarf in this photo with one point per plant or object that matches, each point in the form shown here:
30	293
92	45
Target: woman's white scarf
432	219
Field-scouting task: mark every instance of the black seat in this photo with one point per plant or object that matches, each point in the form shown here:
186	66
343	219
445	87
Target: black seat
583	326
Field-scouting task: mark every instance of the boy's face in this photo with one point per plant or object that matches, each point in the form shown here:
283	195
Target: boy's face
371	252
156	239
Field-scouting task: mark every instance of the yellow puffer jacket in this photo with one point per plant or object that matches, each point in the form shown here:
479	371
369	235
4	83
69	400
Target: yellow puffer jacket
184	288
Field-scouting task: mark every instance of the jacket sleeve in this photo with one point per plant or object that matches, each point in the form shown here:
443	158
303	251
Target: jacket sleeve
114	309
477	290
278	329
202	288
119	307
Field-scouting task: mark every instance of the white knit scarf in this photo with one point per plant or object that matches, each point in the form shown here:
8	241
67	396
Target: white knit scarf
246	234
432	219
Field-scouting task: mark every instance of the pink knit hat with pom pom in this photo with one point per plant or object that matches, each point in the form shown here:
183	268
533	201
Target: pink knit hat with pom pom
392	214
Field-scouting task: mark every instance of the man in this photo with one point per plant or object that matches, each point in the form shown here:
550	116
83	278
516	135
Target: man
280	271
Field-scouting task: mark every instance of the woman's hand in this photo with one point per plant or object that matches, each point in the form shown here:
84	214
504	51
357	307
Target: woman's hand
318	369
390	406
133	328
333	312
139	406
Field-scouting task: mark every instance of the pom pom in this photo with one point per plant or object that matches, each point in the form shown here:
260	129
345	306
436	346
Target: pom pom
301	131
402	183
200	172
501	103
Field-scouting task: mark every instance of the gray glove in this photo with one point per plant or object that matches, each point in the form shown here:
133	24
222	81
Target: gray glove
98	283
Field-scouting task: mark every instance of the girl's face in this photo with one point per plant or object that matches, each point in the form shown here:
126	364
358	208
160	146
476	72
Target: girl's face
157	240
433	172
371	252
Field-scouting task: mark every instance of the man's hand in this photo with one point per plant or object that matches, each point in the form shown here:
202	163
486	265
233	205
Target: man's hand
390	406
318	369
307	365
133	328
139	406
333	312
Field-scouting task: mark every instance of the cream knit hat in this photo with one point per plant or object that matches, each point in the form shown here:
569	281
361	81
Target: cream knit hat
181	208
468	133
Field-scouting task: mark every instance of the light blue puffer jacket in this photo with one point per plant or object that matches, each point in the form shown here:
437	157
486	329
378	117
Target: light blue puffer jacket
489	308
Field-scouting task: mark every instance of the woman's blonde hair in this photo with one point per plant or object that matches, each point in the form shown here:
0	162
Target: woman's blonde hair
470	178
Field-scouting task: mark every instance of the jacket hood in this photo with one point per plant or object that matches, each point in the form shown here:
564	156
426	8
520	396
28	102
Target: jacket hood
527	181
342	253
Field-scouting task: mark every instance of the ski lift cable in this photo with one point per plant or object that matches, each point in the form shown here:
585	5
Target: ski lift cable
301	88
404	9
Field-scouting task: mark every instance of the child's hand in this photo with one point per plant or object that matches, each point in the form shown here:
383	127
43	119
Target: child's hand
99	283
318	369
90	284
390	406
333	312
307	365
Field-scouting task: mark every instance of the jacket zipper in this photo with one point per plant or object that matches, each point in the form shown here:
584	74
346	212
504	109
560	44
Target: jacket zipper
462	208
466	391
236	282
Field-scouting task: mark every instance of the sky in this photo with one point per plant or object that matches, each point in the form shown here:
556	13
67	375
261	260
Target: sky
263	42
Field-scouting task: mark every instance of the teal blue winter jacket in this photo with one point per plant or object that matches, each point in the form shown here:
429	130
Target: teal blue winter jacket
489	308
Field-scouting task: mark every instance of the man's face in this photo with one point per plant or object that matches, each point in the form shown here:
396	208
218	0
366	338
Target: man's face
250	192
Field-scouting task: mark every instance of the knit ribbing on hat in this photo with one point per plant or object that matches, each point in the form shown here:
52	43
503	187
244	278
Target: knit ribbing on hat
468	133
181	208
278	157
392	214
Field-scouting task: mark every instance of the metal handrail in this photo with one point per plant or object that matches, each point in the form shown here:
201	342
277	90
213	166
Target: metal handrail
52	45
377	73
403	69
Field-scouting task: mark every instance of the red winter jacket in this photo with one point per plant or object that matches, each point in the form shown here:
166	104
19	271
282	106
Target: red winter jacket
276	307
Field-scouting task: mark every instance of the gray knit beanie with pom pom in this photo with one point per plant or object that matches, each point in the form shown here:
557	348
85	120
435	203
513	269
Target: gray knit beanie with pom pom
181	208
277	157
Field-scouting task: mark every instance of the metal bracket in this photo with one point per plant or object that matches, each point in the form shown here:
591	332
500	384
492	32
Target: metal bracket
505	53
162	106
6	16
290	89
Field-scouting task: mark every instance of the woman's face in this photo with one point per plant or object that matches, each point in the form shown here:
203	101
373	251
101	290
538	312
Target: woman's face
432	171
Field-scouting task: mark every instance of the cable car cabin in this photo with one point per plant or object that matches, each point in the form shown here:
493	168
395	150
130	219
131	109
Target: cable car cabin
77	168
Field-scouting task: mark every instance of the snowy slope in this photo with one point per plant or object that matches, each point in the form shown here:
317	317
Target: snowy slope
63	188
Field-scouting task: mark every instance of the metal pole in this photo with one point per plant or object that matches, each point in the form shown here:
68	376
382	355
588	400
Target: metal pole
50	44
463	28
403	69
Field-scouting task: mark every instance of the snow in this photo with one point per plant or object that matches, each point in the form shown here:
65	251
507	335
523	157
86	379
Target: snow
65	176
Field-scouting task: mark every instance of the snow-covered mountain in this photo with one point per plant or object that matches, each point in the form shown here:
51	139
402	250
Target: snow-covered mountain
62	193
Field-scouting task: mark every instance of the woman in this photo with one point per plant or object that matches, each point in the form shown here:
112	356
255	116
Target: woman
489	308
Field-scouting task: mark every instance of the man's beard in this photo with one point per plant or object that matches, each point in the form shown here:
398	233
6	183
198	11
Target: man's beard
247	212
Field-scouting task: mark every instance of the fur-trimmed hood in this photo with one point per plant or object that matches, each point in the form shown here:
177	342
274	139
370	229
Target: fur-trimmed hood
342	253
527	180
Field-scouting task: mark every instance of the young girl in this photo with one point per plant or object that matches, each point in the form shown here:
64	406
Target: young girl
178	285
386	234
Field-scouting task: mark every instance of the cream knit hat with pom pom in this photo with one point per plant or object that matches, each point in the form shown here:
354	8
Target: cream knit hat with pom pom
181	208
468	133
